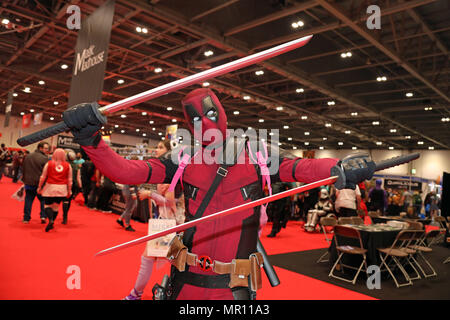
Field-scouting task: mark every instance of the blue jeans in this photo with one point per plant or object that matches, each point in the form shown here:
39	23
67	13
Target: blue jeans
30	194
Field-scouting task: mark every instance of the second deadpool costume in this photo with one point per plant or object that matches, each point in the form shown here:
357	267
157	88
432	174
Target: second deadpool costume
221	256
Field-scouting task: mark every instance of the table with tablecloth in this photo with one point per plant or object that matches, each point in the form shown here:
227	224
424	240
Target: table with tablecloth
384	219
373	237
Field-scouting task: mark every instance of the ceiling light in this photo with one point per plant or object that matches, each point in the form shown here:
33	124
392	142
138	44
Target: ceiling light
158	70
261	120
138	29
445	119
31	110
285	127
246	97
376	123
331	103
346	54
321	148
297	24
41	82
205	84
55	103
306	133
379	143
137	130
51	118
5	21
407	137
354	114
174	120
295	148
279	108
419	142
122	131
249	128
299	90
304	117
409	94
430	148
15	94
259	73
159	133
22	113
289	139
340	143
354	148
120	81
64	66
208	53
169	108
306	143
393	130
144	113
27	90
391	148
144	30
144	134
324	138
428	108
151	122
279	143
383	78
347	132
123	116
327	124
236	112
153	129
116	126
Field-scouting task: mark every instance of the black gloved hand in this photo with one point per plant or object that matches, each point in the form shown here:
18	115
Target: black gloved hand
353	169
85	121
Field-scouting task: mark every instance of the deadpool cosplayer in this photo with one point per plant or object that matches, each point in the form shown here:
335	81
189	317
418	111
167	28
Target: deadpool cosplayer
216	259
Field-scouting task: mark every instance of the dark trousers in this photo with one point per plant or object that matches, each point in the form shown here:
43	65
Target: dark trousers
93	195
280	217
104	196
15	173
30	194
347	212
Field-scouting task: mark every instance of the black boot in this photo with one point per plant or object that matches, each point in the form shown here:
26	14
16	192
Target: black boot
50	215
66	207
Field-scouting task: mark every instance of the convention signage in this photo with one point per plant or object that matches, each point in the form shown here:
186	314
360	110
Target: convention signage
66	142
91	54
402	184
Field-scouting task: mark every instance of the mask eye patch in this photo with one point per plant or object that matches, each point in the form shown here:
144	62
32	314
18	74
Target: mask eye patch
192	113
210	109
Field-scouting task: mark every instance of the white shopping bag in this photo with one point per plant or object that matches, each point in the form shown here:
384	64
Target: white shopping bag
159	247
19	194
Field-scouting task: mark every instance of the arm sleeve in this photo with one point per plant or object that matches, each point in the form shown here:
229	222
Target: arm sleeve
69	178
43	176
305	170
125	171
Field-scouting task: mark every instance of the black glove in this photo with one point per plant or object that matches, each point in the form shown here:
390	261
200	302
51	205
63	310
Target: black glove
353	169
85	121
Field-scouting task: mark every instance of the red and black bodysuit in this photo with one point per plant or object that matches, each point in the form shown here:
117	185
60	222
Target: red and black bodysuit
224	239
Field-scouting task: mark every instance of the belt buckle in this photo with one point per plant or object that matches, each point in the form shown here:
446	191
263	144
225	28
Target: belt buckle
222	171
205	263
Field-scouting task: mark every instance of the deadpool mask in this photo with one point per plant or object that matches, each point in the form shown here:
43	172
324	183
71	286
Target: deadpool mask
202	109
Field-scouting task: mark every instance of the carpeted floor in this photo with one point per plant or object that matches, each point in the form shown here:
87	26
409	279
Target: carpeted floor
36	265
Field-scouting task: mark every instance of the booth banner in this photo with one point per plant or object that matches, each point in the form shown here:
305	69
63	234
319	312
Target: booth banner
171	131
91	54
66	142
8	109
26	120
402	184
38	118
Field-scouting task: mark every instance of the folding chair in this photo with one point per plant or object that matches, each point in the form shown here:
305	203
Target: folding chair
447	260
414	225
424	246
352	233
357	220
345	220
326	222
443	226
415	238
396	252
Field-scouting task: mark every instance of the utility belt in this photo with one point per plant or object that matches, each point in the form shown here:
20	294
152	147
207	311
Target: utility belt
242	272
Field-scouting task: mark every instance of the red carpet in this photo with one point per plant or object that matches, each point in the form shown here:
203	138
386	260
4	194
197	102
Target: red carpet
35	263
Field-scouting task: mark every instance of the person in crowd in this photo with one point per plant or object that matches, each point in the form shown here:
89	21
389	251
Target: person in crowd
347	202
169	205
17	165
87	170
407	200
5	158
79	159
129	193
55	185
33	164
310	199
394	203
378	198
105	193
323	207
417	202
95	183
76	185
279	208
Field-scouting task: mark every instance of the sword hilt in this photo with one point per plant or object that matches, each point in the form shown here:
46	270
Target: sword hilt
37	136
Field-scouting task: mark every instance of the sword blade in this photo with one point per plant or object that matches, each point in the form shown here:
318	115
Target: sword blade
204	75
221	214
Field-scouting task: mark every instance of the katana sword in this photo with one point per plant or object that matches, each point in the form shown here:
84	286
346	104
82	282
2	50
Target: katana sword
392	162
172	86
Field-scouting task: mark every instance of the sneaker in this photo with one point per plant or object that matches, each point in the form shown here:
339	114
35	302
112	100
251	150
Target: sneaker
106	211
49	227
43	220
129	228
120	222
26	221
134	295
